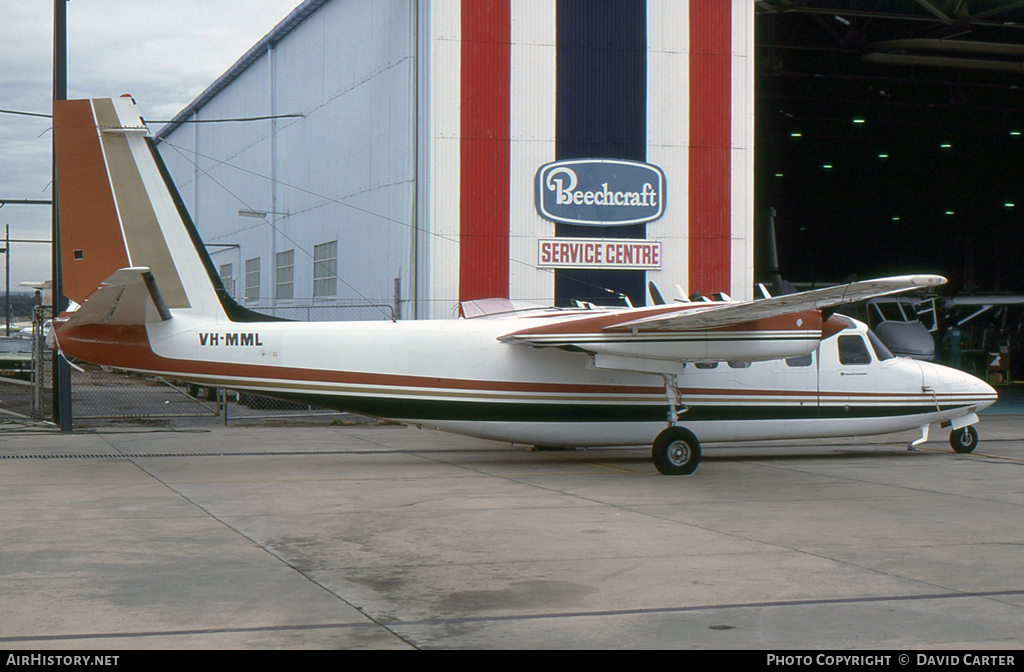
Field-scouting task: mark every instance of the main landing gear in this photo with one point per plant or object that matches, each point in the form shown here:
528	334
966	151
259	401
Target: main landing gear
964	440
676	451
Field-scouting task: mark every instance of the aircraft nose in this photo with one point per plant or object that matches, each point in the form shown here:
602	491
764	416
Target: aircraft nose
955	385
987	392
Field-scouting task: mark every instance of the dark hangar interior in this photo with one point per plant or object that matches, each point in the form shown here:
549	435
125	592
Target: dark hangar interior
890	139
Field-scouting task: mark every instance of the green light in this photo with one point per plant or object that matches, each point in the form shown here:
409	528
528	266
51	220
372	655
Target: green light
1014	132
778	174
895	219
796	135
1009	205
946	145
883	156
827	166
950	212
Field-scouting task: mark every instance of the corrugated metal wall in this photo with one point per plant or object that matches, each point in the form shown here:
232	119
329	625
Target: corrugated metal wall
710	145
668	134
602	112
344	171
425	172
485	152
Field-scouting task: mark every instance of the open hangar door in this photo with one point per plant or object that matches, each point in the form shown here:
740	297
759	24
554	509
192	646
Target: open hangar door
889	139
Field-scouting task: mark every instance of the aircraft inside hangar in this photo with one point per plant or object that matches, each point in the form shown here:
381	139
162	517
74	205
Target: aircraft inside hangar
889	139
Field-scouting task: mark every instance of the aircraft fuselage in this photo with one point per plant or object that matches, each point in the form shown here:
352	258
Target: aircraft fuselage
460	378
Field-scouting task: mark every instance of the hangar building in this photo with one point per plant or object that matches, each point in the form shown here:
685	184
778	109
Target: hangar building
414	154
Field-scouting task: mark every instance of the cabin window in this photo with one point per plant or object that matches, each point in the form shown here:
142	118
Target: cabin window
853	351
800	362
706	365
882	353
739	365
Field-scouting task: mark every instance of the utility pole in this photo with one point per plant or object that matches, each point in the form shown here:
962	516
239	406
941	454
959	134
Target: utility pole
7	282
61	368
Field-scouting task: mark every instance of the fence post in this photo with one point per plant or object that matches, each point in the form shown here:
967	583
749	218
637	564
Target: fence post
38	355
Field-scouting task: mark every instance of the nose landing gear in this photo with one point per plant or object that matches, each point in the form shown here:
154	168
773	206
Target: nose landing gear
964	440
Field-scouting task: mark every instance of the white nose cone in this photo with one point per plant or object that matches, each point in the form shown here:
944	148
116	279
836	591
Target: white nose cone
955	389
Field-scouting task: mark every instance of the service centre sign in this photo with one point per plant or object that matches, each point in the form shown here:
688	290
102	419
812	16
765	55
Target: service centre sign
620	253
600	192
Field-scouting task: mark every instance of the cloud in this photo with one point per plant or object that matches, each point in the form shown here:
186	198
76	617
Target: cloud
164	52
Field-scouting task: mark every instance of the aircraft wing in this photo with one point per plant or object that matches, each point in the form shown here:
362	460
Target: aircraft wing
747	330
128	296
725	315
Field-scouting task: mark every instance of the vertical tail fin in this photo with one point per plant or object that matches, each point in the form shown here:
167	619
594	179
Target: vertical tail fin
118	208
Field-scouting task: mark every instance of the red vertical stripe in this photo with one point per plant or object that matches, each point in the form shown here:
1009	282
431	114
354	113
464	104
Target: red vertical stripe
484	146
88	214
710	142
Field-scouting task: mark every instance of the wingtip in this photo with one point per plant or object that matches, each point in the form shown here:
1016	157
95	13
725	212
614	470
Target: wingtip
928	280
912	281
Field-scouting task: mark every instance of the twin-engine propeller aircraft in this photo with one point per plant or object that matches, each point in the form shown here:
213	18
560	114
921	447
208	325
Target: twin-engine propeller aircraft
676	373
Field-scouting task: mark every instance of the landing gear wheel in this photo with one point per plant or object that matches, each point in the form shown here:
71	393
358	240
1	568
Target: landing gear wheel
964	440
676	452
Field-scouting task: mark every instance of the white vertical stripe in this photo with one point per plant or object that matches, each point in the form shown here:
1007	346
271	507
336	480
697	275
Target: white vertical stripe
742	160
185	262
668	132
533	77
440	244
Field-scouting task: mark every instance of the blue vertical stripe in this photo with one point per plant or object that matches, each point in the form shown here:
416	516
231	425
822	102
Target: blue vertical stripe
601	112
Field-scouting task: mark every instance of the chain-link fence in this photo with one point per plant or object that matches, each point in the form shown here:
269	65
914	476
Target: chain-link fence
100	393
331	312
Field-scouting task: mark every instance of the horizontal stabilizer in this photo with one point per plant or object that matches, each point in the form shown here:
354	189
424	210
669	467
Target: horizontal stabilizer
128	296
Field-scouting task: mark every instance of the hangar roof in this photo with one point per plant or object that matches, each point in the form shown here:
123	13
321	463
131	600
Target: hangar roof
280	31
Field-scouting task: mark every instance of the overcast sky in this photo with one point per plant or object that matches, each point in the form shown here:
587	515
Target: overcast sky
163	52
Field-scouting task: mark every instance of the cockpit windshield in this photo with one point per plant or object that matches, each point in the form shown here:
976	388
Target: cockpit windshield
890	311
881	351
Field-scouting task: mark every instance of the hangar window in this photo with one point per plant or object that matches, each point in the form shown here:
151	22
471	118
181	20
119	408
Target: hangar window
284	283
325	269
227	277
252	279
853	351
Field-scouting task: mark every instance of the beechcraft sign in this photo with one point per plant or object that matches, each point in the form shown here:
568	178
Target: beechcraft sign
600	192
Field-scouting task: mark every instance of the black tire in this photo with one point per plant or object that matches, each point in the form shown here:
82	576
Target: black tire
676	452
964	440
